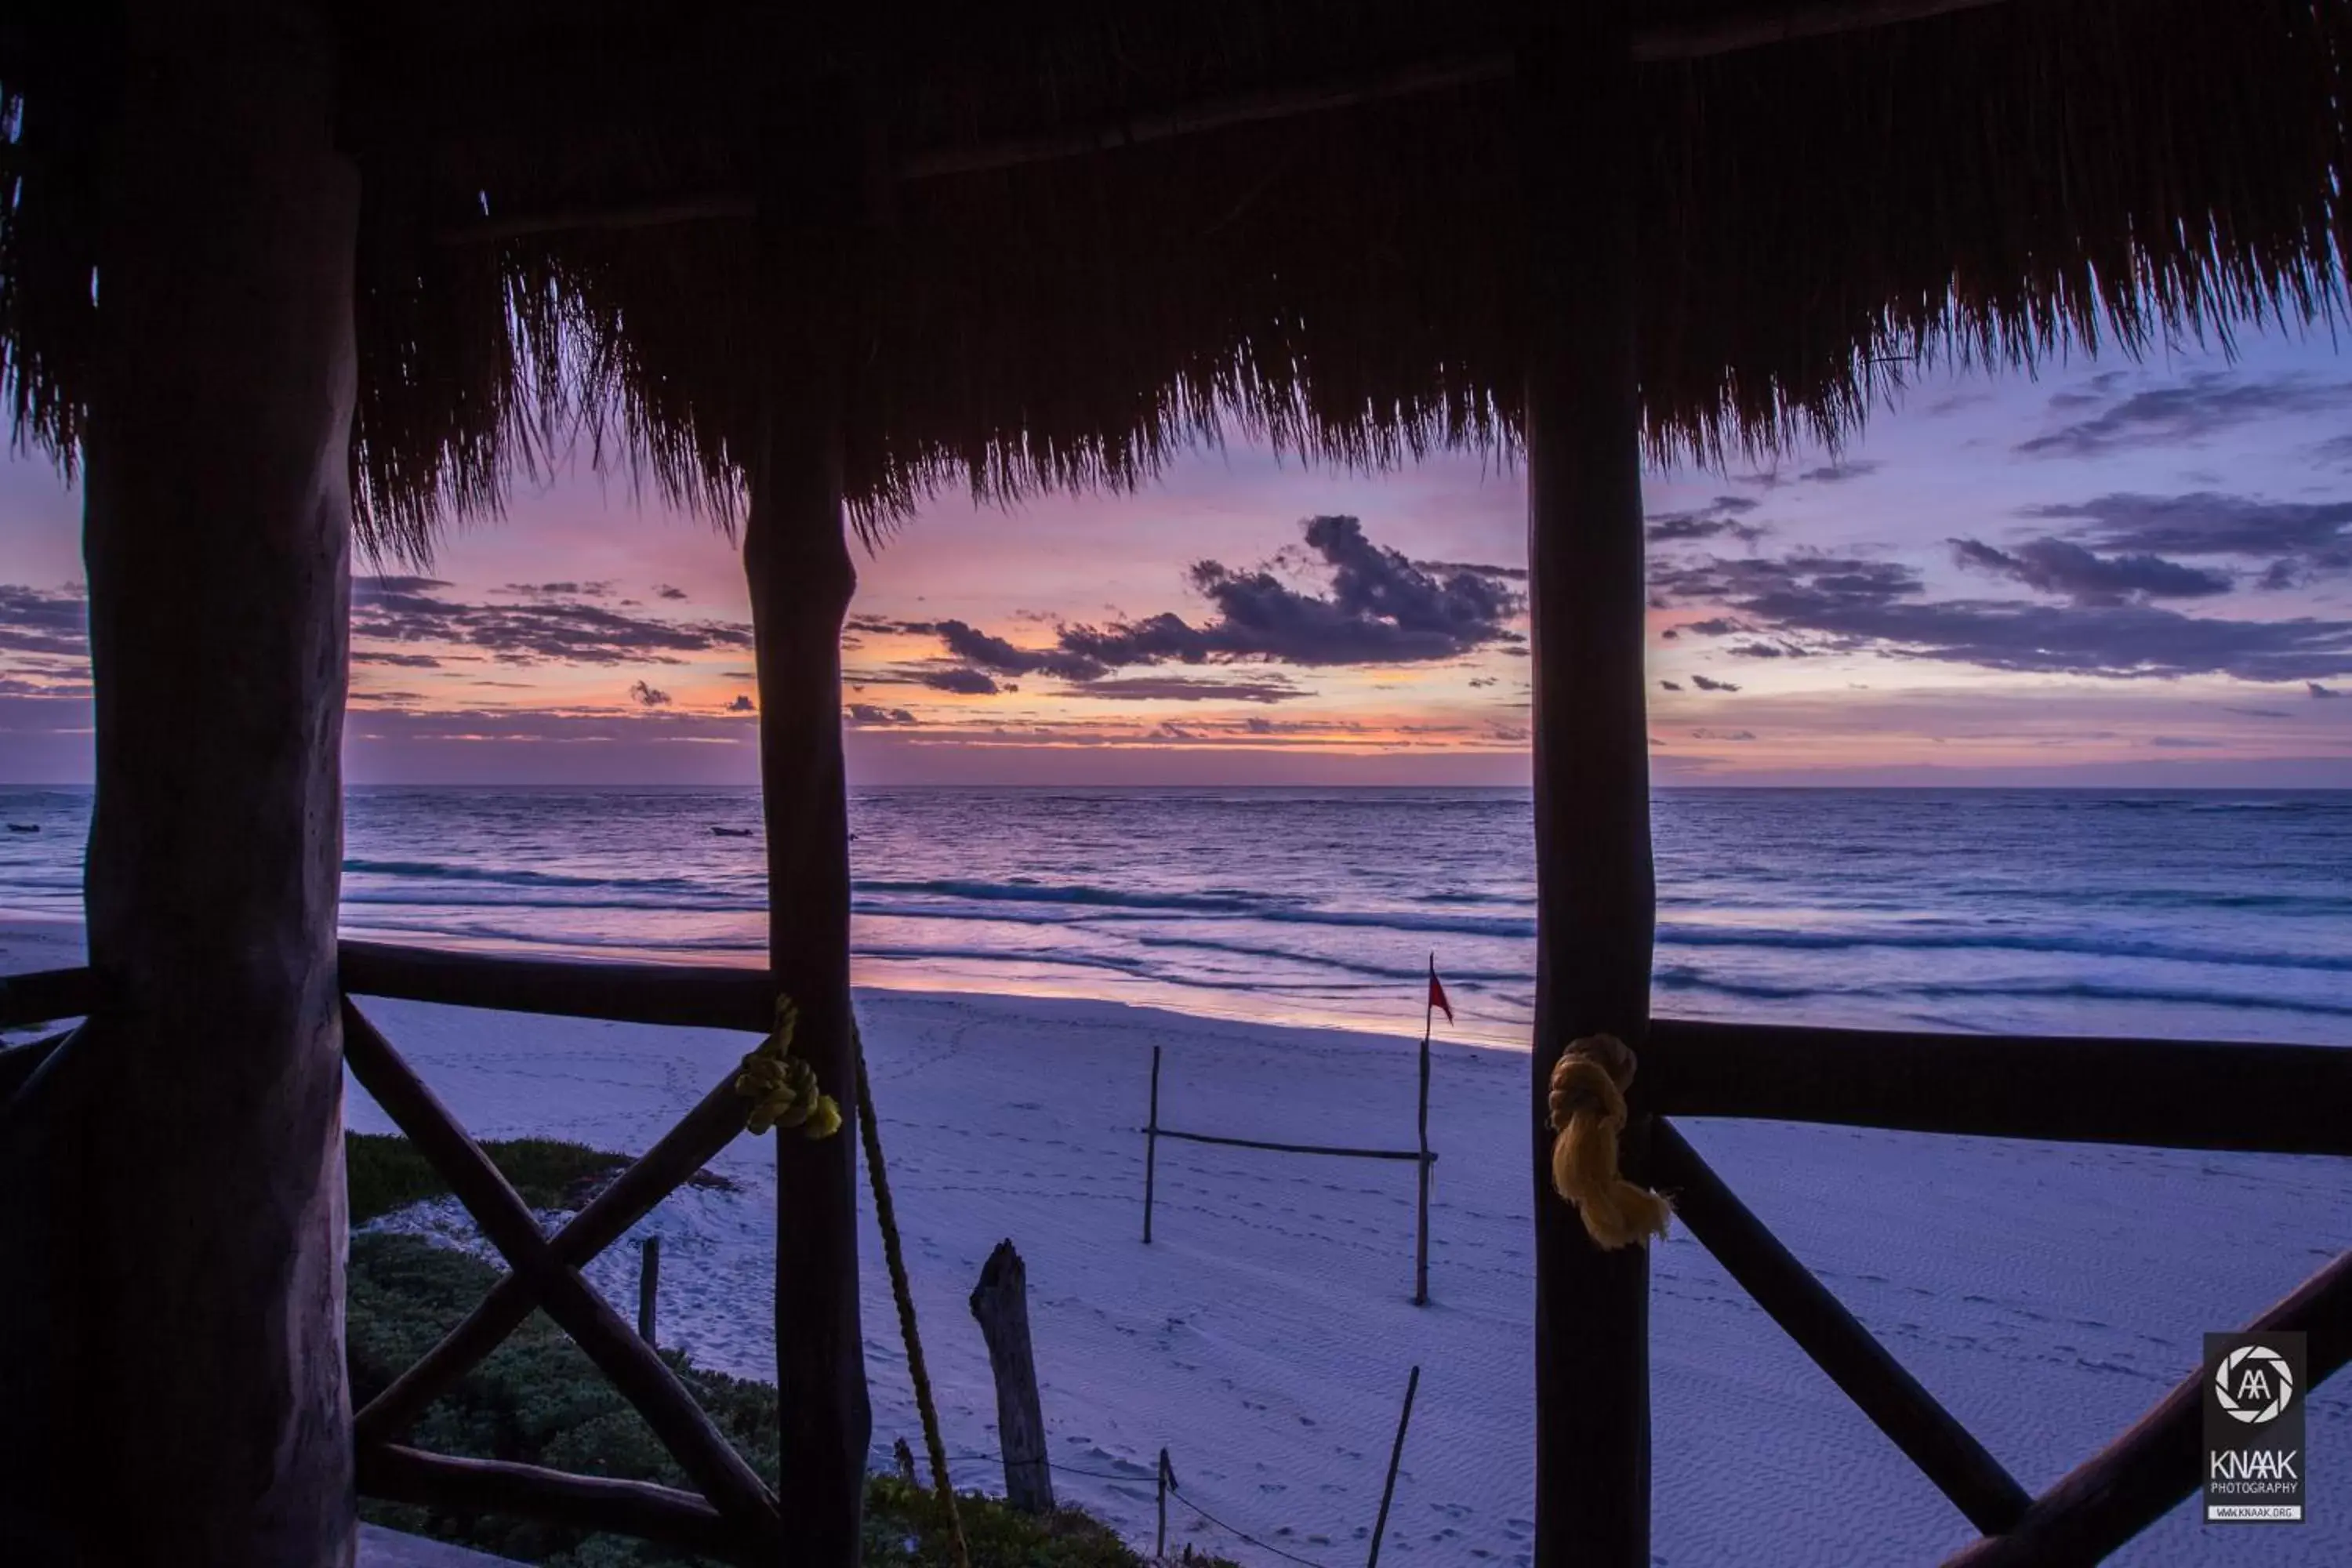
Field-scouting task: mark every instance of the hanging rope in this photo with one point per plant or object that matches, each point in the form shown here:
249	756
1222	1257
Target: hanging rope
870	1131
1588	1113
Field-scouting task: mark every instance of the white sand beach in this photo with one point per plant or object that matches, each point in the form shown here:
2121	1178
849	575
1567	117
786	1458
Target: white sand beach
2048	1293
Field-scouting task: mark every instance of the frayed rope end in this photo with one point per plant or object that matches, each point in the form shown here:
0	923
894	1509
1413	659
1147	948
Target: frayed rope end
1588	1115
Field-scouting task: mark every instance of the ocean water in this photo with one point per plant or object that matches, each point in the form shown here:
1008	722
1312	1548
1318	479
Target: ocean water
2218	915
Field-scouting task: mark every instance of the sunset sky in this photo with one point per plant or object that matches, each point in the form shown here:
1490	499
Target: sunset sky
2116	573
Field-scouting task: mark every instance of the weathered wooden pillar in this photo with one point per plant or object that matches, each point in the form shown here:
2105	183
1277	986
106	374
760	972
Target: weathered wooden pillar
797	557
1595	899
171	1189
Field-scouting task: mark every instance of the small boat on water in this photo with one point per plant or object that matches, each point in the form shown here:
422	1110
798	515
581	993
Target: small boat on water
732	832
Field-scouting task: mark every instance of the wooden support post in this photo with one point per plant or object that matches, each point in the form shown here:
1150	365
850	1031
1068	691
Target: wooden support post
1151	1145
1001	1302
1167	1478
797	557
171	1198
1595	898
1396	1457
648	1286
1421	1235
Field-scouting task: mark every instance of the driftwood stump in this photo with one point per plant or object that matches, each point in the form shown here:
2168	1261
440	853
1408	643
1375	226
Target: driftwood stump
1001	1302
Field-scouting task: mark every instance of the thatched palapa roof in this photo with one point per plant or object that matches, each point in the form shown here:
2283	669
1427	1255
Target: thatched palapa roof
1049	243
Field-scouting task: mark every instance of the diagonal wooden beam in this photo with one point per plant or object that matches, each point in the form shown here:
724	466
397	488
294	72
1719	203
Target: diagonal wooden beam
1759	27
1928	1435
684	1149
2133	1481
19	1063
1730	32
631	1366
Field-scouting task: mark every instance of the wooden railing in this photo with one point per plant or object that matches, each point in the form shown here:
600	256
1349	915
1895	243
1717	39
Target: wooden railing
2166	1093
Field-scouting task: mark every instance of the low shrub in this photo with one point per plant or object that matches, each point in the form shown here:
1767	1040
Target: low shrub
539	1400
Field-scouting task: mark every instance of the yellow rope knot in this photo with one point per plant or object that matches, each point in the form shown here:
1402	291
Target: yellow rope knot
1588	1112
782	1087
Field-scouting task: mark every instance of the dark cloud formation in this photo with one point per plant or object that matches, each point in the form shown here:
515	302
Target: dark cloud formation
2103	417
868	716
1708	683
1839	473
547	629
1378	609
646	696
2321	691
43	620
1720	519
1477	569
561	589
985	651
2299	540
2060	566
1849	603
396	660
1183	688
1722	734
1671	685
663	591
742	704
965	682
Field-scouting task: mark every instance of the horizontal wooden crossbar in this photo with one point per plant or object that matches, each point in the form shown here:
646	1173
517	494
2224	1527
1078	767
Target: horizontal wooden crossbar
681	996
2176	1094
1929	1436
2137	1478
1289	1148
587	1502
46	994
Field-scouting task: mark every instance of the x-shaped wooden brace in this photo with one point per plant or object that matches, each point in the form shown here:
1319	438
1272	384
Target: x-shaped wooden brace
546	1273
2102	1503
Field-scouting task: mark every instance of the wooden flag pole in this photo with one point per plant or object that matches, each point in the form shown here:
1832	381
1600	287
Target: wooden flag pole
1421	1245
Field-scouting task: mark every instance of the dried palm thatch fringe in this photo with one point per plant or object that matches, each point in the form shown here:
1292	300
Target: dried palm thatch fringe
870	1131
1999	186
1588	1113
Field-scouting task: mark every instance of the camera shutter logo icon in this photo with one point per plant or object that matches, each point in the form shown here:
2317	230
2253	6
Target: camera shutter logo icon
2253	1385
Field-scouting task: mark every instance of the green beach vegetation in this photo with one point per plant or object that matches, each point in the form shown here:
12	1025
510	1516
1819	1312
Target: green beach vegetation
538	1399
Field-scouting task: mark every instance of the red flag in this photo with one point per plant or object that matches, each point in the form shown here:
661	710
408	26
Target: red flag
1437	1001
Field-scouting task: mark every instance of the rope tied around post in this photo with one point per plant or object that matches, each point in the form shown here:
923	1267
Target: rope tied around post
781	1087
1588	1113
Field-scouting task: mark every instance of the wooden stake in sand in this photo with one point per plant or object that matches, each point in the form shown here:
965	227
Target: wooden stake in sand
1396	1457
